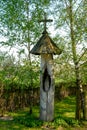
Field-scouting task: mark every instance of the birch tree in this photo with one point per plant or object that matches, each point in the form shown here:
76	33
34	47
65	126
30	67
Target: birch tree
71	19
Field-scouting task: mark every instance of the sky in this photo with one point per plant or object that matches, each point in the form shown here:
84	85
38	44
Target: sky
14	50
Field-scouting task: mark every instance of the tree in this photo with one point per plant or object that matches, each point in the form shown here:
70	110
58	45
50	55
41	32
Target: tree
20	22
71	14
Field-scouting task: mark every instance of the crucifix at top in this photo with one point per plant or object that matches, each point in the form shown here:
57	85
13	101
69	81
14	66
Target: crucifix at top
45	20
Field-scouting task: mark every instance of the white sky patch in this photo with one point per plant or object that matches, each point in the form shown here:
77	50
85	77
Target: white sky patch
52	31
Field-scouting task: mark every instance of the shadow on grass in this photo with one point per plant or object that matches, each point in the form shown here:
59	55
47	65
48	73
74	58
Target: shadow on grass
11	125
21	120
65	108
20	123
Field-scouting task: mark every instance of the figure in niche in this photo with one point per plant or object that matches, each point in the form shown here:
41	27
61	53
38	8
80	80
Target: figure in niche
46	81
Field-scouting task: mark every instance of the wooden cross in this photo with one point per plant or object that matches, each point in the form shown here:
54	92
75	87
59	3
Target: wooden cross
45	20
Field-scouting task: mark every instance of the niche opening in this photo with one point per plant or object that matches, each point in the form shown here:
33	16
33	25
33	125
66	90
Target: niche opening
46	80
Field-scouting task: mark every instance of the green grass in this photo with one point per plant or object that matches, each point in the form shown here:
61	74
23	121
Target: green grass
66	107
6	125
11	125
64	117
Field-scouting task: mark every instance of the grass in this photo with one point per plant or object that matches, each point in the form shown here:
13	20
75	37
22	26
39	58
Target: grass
66	107
11	125
64	118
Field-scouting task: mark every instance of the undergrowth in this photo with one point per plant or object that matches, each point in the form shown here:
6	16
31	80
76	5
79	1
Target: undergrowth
32	121
64	116
29	121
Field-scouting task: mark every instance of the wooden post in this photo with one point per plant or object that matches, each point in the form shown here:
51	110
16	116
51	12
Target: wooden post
46	48
47	88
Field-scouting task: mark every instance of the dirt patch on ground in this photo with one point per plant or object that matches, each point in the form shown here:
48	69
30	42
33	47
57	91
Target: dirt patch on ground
6	118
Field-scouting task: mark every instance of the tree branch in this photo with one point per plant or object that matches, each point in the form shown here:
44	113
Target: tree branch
83	63
78	8
82	55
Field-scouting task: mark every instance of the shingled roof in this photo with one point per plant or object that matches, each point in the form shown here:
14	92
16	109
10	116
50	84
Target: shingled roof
45	45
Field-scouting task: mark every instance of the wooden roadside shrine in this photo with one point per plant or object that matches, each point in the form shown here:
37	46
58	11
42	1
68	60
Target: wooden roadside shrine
46	48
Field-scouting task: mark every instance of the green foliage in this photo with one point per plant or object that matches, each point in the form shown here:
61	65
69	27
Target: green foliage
15	75
59	121
23	120
72	122
29	121
24	31
32	121
66	122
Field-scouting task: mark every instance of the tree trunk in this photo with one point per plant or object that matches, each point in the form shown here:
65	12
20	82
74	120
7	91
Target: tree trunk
29	58
78	94
85	104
